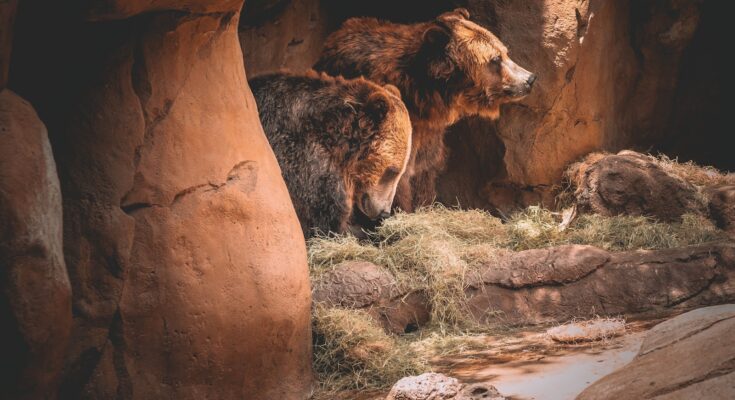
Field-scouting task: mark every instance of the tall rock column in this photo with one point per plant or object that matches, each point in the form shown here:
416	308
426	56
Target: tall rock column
35	295
185	255
207	262
35	298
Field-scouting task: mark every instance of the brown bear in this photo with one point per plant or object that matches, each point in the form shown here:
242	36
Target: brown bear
342	145
446	69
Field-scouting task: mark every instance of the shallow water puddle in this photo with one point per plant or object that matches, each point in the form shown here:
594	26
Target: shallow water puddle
536	372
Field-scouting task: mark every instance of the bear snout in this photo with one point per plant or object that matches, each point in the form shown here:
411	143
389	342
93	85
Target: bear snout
374	210
519	81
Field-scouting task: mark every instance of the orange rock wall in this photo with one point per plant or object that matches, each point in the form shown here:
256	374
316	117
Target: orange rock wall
185	257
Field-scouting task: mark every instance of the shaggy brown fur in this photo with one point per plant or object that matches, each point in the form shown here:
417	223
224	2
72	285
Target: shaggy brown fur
446	69
342	145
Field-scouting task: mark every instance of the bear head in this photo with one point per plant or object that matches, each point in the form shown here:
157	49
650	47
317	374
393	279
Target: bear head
473	62
379	147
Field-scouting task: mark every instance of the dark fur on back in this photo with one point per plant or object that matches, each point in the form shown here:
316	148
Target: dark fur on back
331	136
445	69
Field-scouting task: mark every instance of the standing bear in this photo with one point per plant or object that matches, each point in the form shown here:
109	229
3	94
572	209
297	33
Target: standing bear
342	145
446	69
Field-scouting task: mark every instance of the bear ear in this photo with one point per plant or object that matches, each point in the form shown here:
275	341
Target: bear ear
454	15
393	90
377	107
436	39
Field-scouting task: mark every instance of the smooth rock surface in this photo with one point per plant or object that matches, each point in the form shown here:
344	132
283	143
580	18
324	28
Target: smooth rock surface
186	258
35	295
688	357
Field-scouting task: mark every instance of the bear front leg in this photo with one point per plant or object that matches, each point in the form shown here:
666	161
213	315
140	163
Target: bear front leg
404	195
423	186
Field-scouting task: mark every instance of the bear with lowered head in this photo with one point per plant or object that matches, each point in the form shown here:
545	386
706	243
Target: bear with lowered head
342	145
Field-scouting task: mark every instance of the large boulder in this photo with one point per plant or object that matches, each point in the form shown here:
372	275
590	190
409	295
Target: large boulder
186	258
574	281
35	295
364	285
688	357
630	183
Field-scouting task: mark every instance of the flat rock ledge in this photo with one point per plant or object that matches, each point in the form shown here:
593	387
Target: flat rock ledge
691	356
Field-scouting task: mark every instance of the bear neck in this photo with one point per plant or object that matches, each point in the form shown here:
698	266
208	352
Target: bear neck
432	103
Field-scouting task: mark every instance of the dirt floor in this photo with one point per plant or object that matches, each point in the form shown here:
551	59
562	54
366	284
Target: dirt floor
528	365
557	375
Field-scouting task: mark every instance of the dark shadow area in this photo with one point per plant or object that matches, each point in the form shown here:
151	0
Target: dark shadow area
476	158
699	130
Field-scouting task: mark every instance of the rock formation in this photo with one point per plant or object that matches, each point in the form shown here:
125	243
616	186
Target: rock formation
186	260
629	183
433	386
35	306
700	347
565	282
363	285
550	285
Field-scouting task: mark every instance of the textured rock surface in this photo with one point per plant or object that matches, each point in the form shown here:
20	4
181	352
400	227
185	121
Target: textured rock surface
363	285
630	183
722	207
565	282
629	50
35	306
287	34
433	386
354	284
688	357
186	259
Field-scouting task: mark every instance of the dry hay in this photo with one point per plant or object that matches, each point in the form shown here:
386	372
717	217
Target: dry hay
697	175
434	250
351	351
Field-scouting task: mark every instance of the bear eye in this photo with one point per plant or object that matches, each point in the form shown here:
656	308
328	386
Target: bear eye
390	174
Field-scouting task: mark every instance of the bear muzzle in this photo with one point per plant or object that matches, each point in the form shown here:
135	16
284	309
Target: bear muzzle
374	210
519	81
